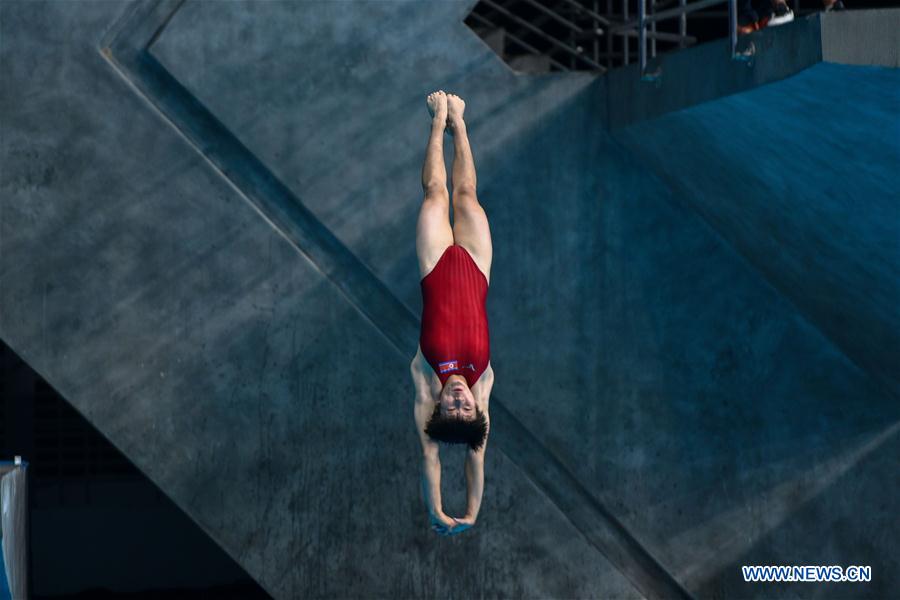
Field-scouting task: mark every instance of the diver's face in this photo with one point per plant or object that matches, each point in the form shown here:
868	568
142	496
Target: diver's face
457	399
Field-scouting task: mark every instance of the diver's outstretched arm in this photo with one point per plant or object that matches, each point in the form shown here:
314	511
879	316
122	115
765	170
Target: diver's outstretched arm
431	486
474	482
431	460
431	480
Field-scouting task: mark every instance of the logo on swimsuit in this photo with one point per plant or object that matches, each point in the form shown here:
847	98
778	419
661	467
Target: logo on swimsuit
453	365
450	365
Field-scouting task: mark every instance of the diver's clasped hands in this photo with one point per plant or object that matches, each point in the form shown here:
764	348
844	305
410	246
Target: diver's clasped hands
446	525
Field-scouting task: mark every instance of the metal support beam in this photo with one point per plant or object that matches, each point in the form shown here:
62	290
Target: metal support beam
581	32
666	14
661	36
642	34
587	11
518	41
556	17
609	38
732	25
562	46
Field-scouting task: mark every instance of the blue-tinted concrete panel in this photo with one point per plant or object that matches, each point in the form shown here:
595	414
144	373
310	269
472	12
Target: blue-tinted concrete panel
807	190
679	385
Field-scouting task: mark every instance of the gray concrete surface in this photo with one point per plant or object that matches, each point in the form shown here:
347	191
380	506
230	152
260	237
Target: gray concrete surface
842	32
693	399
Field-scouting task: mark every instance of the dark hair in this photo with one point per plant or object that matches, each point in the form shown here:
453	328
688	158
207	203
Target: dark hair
454	430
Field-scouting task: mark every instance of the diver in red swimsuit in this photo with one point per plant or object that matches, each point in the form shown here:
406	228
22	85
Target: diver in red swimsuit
451	371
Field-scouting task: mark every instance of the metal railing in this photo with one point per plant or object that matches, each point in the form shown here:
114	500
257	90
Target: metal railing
578	25
680	12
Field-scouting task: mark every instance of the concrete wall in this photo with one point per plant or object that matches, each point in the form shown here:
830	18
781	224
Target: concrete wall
676	80
217	356
806	190
223	351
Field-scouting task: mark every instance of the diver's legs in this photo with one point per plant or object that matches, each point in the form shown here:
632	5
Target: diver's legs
433	231
464	181
434	173
470	223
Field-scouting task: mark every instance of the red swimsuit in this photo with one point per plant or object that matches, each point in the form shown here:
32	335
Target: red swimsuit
454	337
